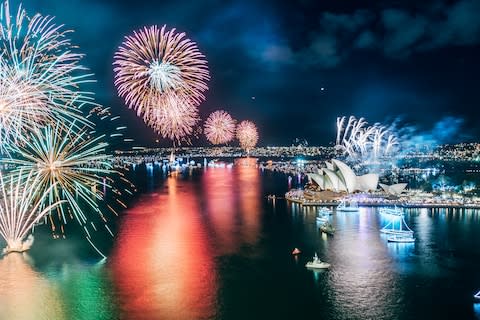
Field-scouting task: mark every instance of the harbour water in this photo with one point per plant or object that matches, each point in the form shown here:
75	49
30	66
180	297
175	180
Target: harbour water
208	244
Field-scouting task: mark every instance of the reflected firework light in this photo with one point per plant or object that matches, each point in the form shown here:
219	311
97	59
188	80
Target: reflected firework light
174	234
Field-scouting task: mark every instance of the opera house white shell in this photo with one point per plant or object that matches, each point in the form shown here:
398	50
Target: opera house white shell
394	189
339	177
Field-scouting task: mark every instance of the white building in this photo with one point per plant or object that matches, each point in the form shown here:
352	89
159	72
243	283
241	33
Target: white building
394	189
339	177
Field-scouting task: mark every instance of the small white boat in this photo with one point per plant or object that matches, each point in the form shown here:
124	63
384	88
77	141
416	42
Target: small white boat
351	206
322	219
476	297
325	212
401	239
316	263
392	211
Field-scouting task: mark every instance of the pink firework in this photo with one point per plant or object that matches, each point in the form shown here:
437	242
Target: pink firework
153	63
176	118
247	134
219	127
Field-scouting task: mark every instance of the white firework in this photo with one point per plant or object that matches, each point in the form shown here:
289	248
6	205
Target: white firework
359	141
38	64
21	207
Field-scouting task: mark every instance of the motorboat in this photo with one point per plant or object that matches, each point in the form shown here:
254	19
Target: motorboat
316	263
401	239
328	228
398	212
351	206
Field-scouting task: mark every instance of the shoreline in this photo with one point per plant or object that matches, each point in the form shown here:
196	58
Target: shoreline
389	203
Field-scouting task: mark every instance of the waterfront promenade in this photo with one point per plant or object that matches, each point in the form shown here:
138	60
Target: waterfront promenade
366	200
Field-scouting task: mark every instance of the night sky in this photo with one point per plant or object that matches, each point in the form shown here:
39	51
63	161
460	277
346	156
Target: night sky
383	60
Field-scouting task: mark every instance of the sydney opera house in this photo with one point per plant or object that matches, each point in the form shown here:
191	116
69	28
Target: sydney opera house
339	177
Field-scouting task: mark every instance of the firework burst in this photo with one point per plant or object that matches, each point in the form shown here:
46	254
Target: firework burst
72	163
220	127
21	207
22	108
153	63
176	122
39	66
360	141
247	134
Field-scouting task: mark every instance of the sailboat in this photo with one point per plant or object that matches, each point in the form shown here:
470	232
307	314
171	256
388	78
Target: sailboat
476	297
352	206
397	227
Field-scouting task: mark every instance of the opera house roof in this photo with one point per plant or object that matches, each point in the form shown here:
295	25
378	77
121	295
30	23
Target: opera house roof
339	177
394	189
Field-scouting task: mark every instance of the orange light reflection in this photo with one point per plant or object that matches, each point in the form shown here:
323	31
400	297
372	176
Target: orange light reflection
162	265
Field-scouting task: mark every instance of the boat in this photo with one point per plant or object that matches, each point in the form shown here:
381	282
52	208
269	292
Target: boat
351	206
401	239
392	211
316	263
322	219
327	228
401	228
296	251
325	212
476	297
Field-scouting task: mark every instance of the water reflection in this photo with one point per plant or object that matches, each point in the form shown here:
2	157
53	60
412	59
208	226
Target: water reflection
25	294
361	276
219	193
249	195
163	265
181	254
